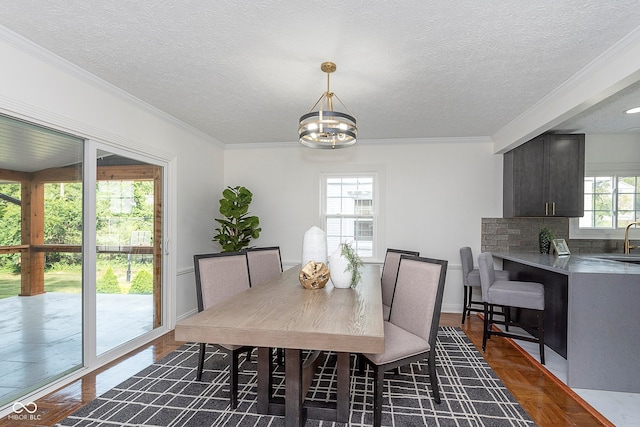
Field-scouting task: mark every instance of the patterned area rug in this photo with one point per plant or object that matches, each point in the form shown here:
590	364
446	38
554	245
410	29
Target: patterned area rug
166	393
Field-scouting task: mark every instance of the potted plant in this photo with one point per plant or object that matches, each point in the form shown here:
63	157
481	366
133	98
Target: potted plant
237	228
545	236
344	265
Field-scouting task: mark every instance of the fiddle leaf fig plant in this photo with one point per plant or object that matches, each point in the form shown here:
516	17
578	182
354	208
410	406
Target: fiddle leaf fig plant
238	227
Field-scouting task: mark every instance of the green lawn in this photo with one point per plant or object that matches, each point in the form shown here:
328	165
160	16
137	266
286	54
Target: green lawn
61	281
56	281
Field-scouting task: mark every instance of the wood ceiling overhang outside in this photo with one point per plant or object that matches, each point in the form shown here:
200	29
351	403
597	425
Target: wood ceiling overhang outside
33	248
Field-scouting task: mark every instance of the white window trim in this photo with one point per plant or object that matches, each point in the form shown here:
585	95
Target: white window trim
575	232
377	172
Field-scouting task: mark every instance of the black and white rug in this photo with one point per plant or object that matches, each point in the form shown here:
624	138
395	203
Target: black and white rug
166	393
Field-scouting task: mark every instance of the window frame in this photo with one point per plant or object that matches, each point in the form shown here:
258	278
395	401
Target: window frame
375	211
613	233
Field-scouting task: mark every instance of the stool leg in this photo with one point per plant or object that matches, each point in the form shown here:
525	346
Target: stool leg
541	335
486	326
507	317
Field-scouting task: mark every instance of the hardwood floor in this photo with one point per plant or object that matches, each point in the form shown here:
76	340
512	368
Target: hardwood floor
547	401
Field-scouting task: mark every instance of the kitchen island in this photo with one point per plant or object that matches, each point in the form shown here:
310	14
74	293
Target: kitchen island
592	315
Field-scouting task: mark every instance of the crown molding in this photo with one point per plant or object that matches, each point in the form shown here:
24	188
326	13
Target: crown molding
30	48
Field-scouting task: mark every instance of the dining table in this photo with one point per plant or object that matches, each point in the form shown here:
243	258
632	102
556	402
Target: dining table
306	323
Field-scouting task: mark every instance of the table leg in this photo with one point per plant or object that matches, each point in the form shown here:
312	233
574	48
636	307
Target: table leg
265	379
344	384
294	414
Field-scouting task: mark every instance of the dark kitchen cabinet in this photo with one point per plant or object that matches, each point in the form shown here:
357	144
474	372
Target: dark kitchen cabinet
545	177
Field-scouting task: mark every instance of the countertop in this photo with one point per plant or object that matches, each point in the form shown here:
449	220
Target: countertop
584	263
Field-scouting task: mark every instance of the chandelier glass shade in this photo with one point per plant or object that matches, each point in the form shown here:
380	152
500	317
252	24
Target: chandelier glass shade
324	127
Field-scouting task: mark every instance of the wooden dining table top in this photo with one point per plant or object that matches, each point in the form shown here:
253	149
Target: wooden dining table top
282	313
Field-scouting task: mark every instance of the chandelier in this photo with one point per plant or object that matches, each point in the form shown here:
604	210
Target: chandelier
325	128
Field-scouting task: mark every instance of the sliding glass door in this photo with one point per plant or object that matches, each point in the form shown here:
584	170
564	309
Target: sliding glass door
81	261
128	256
41	262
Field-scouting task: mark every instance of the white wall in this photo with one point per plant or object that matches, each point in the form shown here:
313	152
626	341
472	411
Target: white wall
612	152
41	88
434	198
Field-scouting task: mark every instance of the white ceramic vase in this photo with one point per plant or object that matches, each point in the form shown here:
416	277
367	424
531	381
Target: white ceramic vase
314	246
340	276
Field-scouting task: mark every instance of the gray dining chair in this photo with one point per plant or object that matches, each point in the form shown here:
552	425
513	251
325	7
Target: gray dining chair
220	276
265	264
388	277
471	283
411	331
509	293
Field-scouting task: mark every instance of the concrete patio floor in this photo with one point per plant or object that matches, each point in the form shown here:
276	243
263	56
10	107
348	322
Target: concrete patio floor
42	335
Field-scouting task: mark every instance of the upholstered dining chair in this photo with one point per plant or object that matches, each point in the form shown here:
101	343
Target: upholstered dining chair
265	264
471	282
411	331
388	277
220	276
509	293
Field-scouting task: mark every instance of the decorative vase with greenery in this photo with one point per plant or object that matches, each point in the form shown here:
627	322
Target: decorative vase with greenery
544	239
345	265
237	228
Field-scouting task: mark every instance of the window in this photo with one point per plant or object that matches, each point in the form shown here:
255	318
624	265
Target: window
610	202
349	212
598	202
628	200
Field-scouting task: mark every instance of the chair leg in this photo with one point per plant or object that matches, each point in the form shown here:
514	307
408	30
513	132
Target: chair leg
203	349
233	378
360	363
378	385
465	304
433	377
541	335
486	326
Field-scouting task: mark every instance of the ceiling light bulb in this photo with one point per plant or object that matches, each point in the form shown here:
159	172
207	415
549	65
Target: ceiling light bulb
633	110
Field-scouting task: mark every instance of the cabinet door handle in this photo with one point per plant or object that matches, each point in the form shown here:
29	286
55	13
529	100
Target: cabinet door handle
546	209
553	208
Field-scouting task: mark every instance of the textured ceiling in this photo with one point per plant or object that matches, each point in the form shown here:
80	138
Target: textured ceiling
245	72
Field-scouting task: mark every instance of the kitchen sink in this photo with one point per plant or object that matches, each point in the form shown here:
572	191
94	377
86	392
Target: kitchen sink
633	258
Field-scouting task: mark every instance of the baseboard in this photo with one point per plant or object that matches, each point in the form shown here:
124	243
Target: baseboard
187	315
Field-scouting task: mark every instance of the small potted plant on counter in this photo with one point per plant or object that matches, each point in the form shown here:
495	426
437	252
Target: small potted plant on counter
544	239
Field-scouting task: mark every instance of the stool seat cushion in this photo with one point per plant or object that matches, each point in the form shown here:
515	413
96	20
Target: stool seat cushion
512	293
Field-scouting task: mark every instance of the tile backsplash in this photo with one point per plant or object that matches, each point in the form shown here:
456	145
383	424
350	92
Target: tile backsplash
521	234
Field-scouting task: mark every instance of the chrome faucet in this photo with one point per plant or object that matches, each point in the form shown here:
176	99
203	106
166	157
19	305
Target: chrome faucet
628	247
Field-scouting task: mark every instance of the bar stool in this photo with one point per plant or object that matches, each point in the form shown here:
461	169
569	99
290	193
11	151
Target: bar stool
471	281
509	293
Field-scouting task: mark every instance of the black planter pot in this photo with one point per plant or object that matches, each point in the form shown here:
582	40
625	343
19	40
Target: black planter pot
545	244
